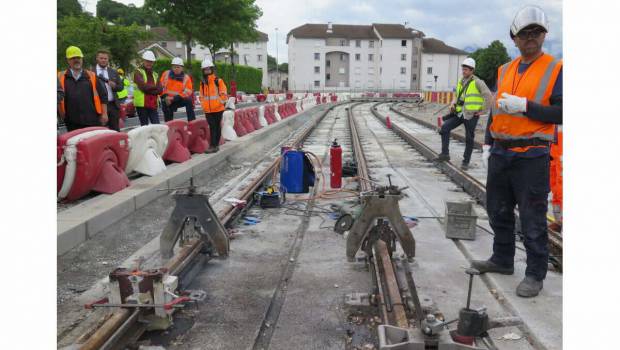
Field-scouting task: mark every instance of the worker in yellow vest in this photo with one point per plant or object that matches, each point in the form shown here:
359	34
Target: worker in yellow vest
517	147
123	94
473	99
146	90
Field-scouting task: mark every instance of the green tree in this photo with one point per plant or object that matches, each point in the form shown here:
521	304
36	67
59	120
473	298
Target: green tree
488	60
91	34
283	67
126	14
66	8
271	62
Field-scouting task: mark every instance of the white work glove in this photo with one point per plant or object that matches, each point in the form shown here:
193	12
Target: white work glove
486	153
512	104
230	104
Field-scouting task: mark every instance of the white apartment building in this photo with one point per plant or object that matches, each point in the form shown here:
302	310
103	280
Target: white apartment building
441	61
164	44
373	57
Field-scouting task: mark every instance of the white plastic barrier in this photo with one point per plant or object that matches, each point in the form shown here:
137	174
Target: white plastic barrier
298	106
277	114
147	144
70	155
228	123
270	98
261	116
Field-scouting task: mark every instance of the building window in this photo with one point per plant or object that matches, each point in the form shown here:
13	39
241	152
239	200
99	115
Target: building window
317	83
343	42
380	57
429	70
403	56
342	57
403	43
164	44
357	56
328	63
317	56
371	43
341	70
179	45
370	57
258	45
358	43
403	70
414	77
259	58
415	63
380	70
327	76
317	69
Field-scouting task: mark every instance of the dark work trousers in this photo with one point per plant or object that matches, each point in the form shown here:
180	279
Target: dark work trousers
147	115
114	114
453	123
178	102
524	182
215	125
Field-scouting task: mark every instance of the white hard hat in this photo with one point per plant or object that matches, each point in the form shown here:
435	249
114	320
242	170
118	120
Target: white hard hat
469	62
527	16
148	56
177	61
206	63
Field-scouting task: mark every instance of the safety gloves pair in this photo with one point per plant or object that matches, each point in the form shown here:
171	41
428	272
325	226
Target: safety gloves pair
512	104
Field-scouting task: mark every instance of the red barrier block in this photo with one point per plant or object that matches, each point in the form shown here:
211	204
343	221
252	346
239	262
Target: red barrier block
239	125
178	139
254	118
199	136
61	142
247	123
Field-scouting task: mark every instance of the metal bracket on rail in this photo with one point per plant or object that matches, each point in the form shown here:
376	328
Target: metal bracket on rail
376	205
193	205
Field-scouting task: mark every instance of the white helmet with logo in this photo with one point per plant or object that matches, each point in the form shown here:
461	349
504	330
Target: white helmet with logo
527	16
206	63
177	61
469	62
148	56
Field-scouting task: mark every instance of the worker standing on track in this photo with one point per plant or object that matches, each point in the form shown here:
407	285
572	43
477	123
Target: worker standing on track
556	178
113	85
529	105
178	91
81	105
146	90
213	98
123	94
473	99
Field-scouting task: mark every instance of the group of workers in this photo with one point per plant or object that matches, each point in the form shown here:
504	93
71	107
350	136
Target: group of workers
94	97
522	149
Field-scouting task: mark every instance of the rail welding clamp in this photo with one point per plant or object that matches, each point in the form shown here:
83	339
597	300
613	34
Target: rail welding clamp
380	203
193	204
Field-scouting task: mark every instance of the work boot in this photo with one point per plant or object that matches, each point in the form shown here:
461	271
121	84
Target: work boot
529	287
442	157
211	149
217	148
464	165
485	266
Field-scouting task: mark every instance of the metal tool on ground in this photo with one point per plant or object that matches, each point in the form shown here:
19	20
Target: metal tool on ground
192	205
269	198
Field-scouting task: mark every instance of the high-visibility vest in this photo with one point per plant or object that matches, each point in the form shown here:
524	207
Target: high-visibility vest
174	87
125	92
536	84
93	83
472	98
213	97
138	95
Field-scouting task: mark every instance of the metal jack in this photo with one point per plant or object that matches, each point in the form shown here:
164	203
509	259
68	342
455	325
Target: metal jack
379	204
192	204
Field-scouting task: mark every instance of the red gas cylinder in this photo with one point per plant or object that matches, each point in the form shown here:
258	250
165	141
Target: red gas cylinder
439	121
388	122
335	156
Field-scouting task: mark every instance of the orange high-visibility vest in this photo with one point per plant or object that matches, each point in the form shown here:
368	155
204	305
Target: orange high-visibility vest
536	84
93	83
174	87
213	98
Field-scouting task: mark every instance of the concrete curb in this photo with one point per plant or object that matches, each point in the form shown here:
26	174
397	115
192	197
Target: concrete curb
77	224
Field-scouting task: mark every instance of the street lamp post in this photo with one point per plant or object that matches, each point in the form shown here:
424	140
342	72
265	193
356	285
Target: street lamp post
277	67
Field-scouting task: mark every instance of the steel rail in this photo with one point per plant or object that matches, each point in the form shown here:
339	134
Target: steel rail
390	300
120	320
470	184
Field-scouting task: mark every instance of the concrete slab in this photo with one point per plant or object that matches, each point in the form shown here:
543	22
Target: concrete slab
74	233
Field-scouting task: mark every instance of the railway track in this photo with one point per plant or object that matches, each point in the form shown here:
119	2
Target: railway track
391	272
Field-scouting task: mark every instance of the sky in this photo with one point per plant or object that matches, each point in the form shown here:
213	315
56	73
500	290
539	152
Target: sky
462	24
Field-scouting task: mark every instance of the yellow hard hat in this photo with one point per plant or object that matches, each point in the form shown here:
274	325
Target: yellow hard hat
74	51
120	71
